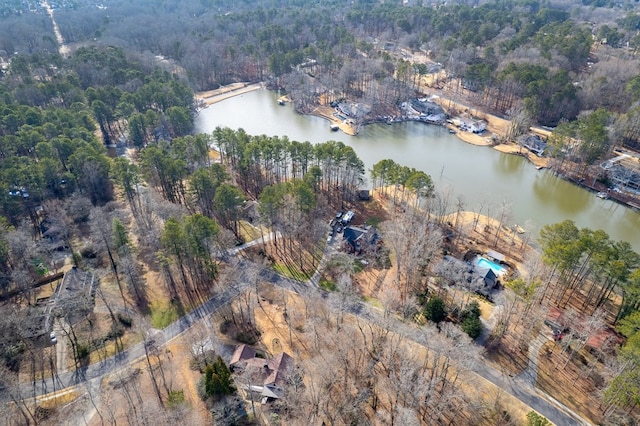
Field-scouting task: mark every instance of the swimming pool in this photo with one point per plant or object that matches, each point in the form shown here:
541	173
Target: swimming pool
486	263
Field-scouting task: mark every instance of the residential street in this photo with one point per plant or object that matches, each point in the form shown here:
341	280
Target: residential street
518	387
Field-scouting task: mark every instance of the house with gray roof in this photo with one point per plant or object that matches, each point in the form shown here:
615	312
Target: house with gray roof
467	275
533	143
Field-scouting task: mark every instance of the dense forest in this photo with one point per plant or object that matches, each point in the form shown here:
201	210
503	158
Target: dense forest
509	53
103	179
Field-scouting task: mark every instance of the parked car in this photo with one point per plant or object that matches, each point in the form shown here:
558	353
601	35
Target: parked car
53	338
347	217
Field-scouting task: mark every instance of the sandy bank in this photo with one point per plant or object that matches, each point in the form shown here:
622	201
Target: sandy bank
495	126
539	162
211	97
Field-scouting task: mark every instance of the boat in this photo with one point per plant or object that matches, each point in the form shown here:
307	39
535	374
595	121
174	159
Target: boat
453	132
334	127
281	102
602	195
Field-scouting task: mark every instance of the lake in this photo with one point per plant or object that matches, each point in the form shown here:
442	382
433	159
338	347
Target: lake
479	176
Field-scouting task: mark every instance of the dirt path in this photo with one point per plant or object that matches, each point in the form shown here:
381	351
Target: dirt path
63	48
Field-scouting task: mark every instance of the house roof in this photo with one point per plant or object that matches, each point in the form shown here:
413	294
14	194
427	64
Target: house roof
278	367
495	255
353	233
272	371
486	273
598	339
272	392
242	353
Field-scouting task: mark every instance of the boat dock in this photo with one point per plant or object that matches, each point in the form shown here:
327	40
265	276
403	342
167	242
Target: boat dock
335	123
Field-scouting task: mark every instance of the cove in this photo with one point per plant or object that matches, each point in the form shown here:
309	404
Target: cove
479	176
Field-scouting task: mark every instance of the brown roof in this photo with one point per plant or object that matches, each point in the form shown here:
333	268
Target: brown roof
278	366
242	353
272	370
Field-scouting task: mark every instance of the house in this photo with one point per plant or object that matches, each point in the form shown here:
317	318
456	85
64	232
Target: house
468	125
468	275
533	143
269	374
625	176
602	339
424	110
624	170
358	239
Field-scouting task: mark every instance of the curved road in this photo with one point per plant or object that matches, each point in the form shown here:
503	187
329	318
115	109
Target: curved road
515	386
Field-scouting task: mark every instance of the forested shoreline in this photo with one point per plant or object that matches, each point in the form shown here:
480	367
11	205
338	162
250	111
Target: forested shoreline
153	233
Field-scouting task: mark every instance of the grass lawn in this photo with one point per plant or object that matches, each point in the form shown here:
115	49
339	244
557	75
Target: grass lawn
162	315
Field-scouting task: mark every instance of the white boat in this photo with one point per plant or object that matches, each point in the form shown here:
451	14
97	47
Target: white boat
602	195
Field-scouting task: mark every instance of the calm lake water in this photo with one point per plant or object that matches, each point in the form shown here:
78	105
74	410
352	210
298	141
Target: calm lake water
480	176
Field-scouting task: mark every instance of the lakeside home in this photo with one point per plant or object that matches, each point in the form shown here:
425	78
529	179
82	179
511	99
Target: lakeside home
533	143
469	125
624	170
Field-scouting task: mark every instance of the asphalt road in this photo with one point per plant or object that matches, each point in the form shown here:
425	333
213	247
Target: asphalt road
515	386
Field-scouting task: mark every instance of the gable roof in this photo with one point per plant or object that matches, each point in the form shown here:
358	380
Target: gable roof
242	353
278	367
272	371
353	233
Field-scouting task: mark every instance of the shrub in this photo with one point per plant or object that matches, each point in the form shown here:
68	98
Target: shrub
435	310
246	337
472	326
175	398
83	351
535	419
328	285
470	320
217	380
125	320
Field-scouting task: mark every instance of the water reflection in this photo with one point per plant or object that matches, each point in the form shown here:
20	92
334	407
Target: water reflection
508	165
481	176
561	195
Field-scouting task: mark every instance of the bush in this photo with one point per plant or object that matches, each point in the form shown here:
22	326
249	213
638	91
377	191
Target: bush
470	320
435	310
535	419
125	320
83	351
175	398
225	326
245	337
217	380
328	285
472	326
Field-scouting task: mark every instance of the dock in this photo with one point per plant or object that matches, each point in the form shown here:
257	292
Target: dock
327	112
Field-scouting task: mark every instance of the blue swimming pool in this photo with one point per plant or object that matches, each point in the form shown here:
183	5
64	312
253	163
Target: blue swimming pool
486	263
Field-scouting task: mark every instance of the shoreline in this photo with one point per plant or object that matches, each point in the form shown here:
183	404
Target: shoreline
210	97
